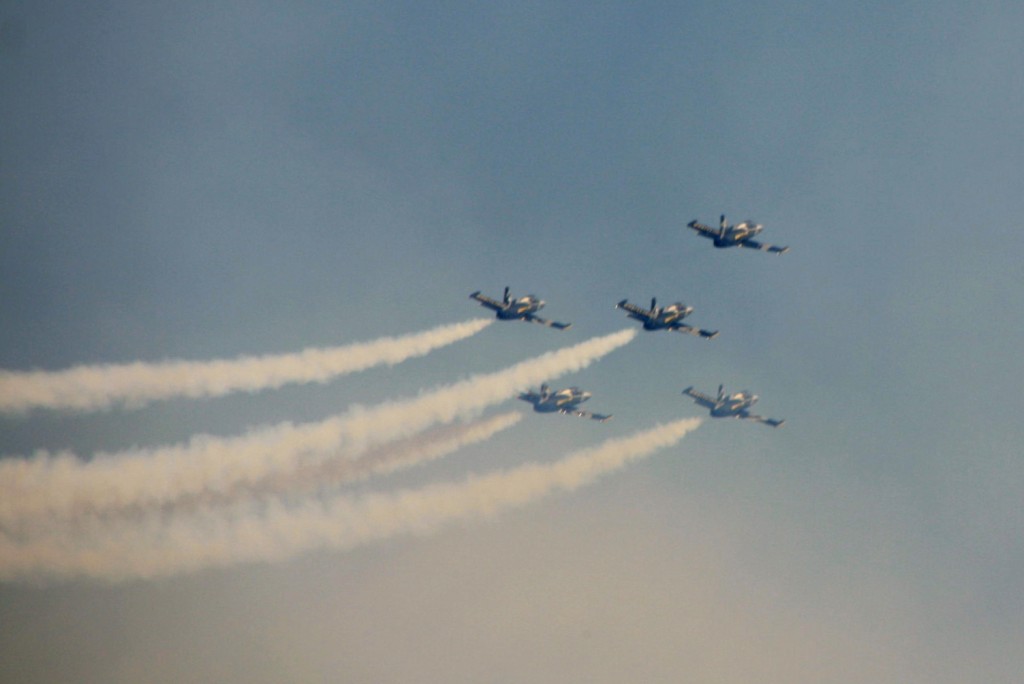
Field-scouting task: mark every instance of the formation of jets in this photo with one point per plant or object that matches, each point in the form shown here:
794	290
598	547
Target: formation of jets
566	401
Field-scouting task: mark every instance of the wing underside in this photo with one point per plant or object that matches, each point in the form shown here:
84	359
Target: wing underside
488	302
636	310
696	332
761	419
543	321
701	398
580	413
754	244
706	231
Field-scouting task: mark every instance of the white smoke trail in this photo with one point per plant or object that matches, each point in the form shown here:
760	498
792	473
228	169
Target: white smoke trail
385	460
93	388
63	484
395	457
167	545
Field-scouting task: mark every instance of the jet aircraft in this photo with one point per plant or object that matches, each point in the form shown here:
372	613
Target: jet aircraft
523	309
665	318
735	236
565	401
735	405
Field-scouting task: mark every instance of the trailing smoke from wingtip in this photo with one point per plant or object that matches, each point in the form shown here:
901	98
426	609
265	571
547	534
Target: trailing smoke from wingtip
132	385
169	545
45	486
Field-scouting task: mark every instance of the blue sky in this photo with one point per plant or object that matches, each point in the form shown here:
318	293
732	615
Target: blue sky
202	182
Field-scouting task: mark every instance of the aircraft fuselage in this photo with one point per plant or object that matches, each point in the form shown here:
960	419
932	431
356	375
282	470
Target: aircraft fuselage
521	307
737	234
731	407
666	317
562	400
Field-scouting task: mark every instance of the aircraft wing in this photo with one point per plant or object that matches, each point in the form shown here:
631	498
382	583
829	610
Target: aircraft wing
544	321
634	309
754	244
487	301
701	398
706	231
761	419
580	413
696	332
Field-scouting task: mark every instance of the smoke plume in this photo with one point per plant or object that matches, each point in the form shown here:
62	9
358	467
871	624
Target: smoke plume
63	484
93	388
162	544
331	473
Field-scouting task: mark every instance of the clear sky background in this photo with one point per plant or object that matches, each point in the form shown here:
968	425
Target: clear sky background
201	180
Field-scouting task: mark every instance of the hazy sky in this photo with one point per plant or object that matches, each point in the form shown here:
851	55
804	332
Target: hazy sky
207	180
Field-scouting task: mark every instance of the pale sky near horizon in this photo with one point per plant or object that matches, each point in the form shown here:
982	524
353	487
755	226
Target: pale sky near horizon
202	181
